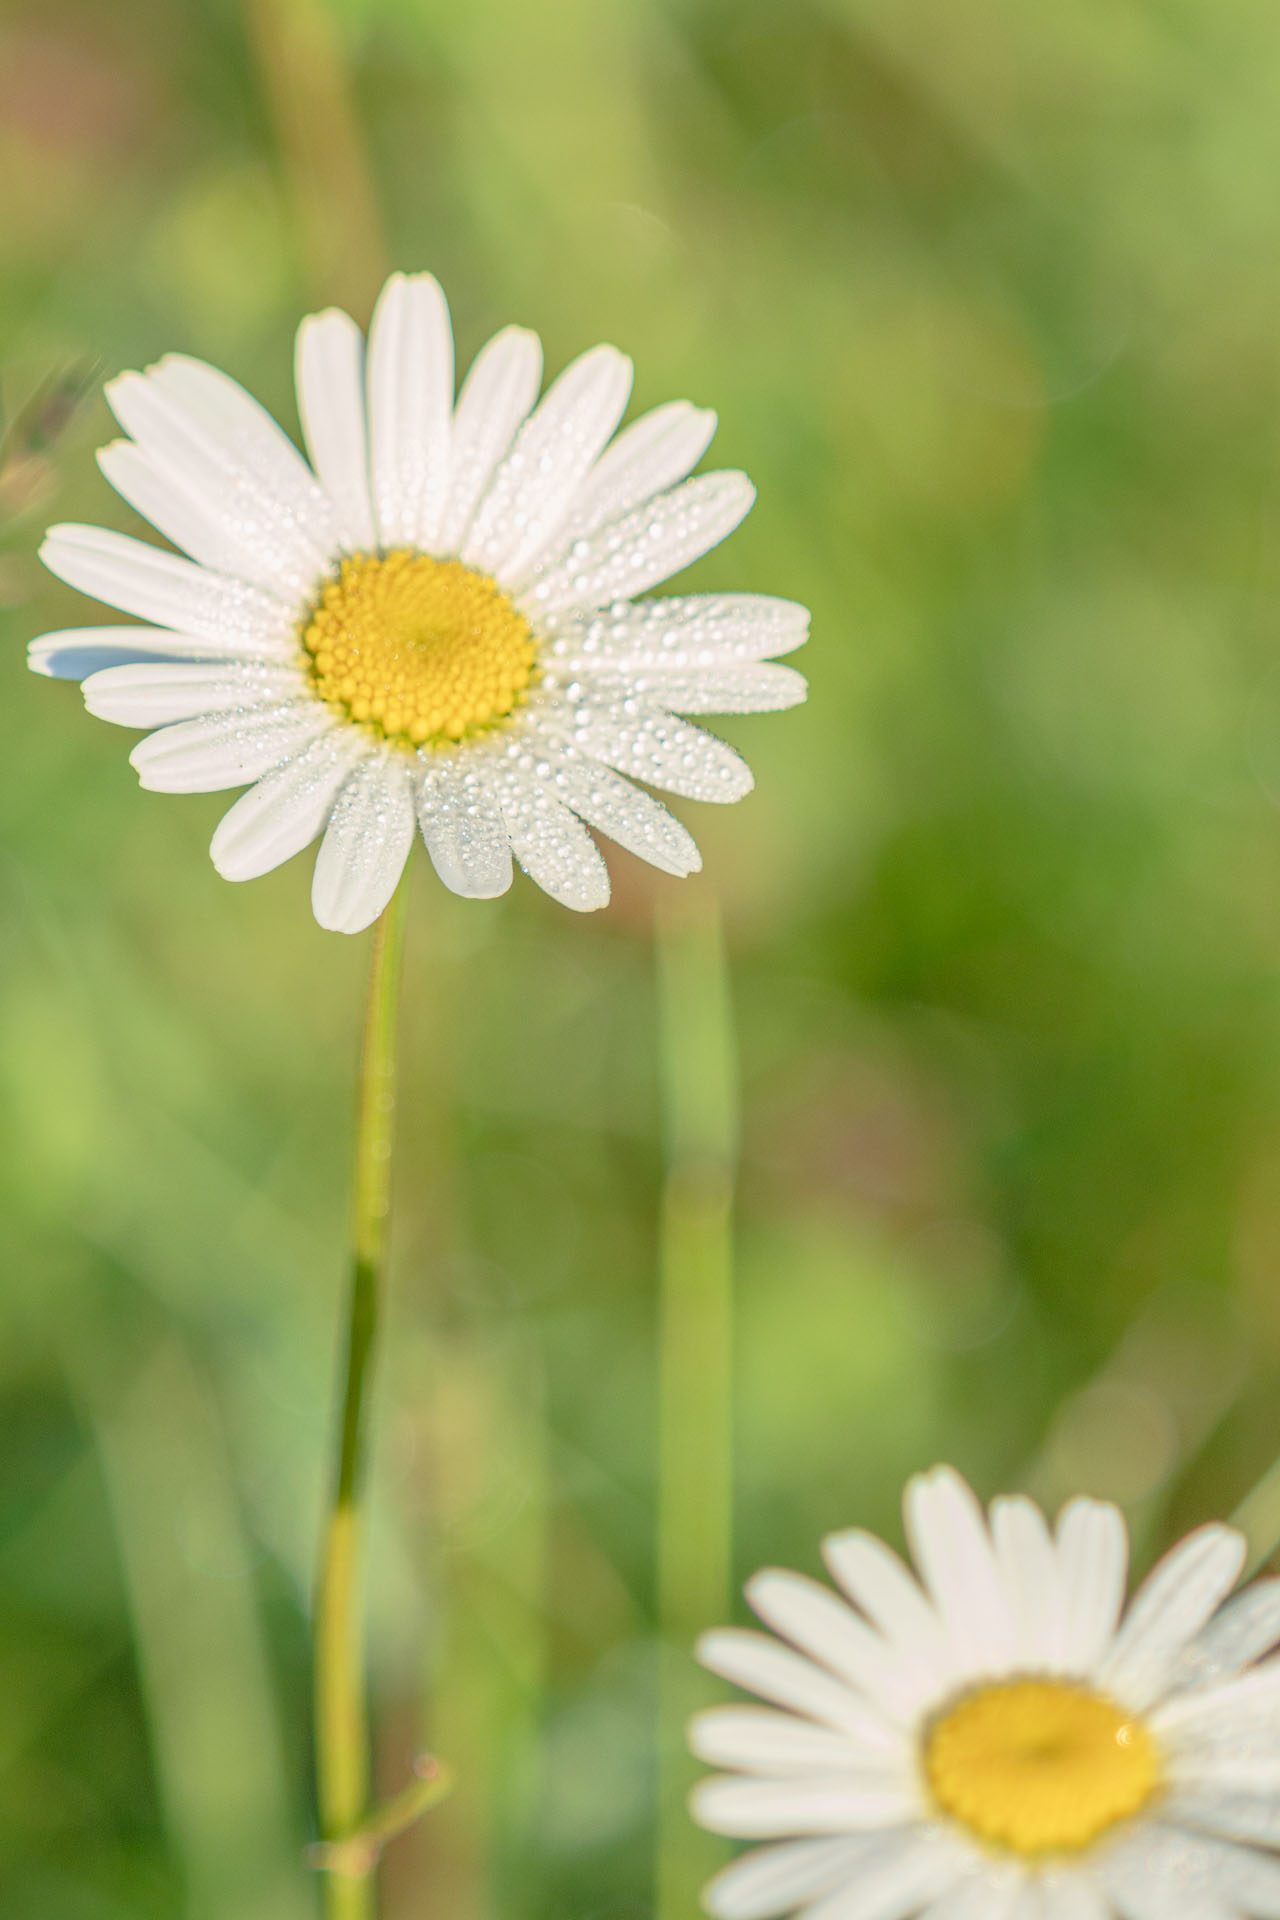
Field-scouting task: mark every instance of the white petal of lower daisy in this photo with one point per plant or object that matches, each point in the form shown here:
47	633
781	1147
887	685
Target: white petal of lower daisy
676	634
952	1547
650	745
914	1867
1032	1582
1157	1871
286	809
771	1881
530	495
76	652
650	455
410	409
632	818
1170	1608
259	528
821	1803
1239	1815
1072	1895
1242	1630
758	1663
828	1630
495	400
760	1740
225	749
463	828
1093	1555
329	374
996	1892
1250	1700
365	845
643	548
876	1580
158	586
154	693
551	844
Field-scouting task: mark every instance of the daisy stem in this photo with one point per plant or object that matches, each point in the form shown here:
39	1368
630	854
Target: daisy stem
342	1728
695	1352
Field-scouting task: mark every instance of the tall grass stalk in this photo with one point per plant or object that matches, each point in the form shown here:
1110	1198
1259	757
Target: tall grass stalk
695	1355
342	1732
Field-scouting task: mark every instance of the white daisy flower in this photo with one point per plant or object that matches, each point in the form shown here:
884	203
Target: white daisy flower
436	621
994	1741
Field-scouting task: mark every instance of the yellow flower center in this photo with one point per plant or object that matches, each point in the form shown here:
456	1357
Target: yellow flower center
1039	1766
427	651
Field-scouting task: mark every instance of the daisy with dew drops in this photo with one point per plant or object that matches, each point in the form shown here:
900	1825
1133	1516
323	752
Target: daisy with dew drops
437	622
996	1737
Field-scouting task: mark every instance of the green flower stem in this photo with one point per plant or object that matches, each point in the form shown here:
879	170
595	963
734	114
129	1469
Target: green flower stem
342	1729
695	1353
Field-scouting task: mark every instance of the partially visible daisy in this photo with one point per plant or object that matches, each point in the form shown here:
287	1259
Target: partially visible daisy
436	621
994	1741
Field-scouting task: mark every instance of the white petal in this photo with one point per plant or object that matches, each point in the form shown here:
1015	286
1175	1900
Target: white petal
1157	1871
1093	1553
645	547
1070	1894
256	446
615	807
76	652
771	1881
676	634
952	1547
652	746
773	1809
532	491
1244	1706
462	825
410	409
915	1867
366	844
997	1892
757	1662
876	1580
1239	1633
650	455
154	693
261	527
225	749
1032	1581
552	846
329	374
829	1631
153	492
750	689
495	399
158	586
1169	1609
286	809
759	1740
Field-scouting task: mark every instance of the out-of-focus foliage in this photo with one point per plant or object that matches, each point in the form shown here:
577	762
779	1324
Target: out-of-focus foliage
988	297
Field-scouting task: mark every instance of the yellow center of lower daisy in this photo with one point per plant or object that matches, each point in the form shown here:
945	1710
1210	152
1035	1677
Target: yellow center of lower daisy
1039	1766
427	651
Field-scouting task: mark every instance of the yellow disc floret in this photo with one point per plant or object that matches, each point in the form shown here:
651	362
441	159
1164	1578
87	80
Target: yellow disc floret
425	651
1039	1766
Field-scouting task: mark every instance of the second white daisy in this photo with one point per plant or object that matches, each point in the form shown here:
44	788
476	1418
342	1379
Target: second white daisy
995	1741
435	623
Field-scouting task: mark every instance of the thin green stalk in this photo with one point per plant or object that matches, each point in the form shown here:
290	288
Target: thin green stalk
342	1731
695	1354
1258	1518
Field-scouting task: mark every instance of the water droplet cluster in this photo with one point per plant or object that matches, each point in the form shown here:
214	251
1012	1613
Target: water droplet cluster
426	651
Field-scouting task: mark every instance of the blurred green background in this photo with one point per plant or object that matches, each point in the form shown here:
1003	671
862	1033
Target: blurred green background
988	297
